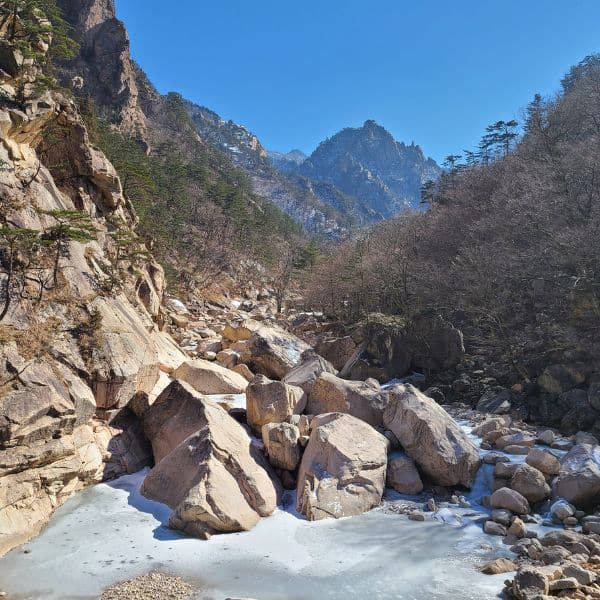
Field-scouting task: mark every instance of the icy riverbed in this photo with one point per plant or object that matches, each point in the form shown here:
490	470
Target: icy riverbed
110	532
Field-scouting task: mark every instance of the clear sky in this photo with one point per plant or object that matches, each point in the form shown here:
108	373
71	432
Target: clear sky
296	71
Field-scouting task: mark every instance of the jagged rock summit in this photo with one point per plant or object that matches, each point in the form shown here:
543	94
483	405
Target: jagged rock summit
368	162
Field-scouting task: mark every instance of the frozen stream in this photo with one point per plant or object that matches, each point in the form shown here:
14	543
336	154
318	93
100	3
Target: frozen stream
110	532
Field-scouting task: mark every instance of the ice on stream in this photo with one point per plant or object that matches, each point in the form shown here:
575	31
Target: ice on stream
110	532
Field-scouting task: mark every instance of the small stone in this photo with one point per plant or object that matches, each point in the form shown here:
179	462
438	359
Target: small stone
431	505
493	528
416	515
517	528
566	583
546	437
502	516
500	565
570	522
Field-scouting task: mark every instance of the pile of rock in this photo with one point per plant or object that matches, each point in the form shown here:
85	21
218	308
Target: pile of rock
567	565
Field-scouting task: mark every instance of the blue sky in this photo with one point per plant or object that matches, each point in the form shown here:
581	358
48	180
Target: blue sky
294	72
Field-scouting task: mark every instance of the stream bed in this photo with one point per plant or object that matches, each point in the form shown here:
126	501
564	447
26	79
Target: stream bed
110	532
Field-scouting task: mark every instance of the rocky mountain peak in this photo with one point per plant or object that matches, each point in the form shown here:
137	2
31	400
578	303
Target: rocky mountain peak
368	162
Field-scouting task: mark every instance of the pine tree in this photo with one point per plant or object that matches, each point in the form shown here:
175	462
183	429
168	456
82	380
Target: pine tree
71	226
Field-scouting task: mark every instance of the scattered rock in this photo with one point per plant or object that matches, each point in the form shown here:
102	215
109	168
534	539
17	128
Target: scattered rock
498	566
356	398
543	461
282	443
210	378
308	371
530	483
510	500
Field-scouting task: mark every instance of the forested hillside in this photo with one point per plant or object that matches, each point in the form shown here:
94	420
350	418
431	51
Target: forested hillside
508	249
197	211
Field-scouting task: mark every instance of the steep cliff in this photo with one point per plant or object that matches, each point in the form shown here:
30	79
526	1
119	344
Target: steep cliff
80	303
103	68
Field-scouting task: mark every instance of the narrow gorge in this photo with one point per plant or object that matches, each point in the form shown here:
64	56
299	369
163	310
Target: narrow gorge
227	372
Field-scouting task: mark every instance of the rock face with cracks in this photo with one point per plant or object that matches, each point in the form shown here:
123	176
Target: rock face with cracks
429	435
215	480
343	469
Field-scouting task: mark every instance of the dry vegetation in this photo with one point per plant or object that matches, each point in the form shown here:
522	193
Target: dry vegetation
509	246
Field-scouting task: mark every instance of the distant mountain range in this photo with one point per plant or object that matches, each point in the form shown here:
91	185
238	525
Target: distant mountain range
358	176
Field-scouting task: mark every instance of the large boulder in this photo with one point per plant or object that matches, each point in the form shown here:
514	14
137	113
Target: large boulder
357	398
429	435
178	412
307	372
210	378
343	469
215	480
530	483
579	476
402	474
272	401
273	352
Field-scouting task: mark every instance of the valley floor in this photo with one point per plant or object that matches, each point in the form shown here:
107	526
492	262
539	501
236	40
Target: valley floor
110	533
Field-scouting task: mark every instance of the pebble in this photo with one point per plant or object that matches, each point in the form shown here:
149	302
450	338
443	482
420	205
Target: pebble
155	586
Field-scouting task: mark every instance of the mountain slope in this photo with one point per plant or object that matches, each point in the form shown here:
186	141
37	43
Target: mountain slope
368	162
197	209
321	209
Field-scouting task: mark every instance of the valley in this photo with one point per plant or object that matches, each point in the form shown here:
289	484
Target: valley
231	372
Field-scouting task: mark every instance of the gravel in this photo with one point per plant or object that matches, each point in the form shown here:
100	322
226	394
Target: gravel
153	586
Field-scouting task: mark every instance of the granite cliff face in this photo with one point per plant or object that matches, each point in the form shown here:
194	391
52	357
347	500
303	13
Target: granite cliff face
320	207
103	68
358	176
80	331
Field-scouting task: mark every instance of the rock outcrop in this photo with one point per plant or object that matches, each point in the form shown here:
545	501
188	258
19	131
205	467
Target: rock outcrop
429	435
343	469
215	480
75	349
103	65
